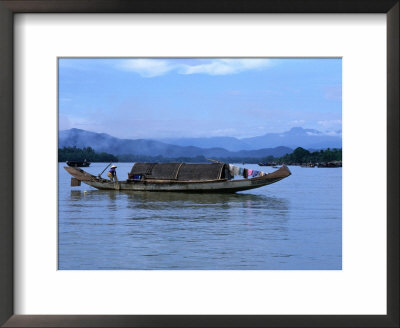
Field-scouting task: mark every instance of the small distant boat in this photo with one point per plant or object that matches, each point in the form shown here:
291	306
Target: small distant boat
78	163
308	165
182	177
330	164
267	164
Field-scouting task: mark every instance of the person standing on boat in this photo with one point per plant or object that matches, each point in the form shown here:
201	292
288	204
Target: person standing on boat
112	174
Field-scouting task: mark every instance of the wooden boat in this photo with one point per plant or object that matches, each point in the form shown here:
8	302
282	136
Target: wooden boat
78	163
181	177
267	164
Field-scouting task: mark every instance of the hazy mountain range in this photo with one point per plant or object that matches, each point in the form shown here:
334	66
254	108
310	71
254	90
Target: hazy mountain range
102	142
275	144
295	137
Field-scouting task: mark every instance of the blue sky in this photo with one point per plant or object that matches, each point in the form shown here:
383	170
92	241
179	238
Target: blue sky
187	97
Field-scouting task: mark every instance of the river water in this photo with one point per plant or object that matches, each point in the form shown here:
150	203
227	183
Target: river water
294	224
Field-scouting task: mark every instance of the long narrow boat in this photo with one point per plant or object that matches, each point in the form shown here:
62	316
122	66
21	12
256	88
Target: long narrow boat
182	177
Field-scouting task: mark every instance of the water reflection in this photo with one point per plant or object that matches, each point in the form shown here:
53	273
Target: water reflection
172	199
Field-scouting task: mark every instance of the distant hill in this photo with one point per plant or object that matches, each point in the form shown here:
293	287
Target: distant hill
228	143
102	142
296	137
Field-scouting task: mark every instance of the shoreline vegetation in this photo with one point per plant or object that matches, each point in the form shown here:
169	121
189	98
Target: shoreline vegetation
81	154
299	156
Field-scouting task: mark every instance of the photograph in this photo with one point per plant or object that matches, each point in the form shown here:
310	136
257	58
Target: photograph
178	163
193	159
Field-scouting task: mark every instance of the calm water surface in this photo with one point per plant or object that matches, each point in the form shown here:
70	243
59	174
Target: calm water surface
294	224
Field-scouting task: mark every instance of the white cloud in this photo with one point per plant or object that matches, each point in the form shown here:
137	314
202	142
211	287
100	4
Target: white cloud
146	67
66	122
297	122
332	127
334	133
331	123
225	66
313	133
158	67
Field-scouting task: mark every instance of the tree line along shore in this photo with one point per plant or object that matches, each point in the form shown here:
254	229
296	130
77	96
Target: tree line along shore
299	156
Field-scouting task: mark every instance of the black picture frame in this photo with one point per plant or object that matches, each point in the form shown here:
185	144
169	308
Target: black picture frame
10	7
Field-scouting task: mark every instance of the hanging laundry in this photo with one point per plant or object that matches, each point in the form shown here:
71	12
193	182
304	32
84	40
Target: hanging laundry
231	169
236	170
241	170
249	171
255	173
245	173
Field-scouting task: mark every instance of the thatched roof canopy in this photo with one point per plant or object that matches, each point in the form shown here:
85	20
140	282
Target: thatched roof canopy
179	171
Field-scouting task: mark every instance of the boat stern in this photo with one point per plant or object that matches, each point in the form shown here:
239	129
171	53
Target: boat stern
79	174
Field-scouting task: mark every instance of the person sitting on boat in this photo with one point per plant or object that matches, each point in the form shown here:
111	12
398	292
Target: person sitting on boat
112	174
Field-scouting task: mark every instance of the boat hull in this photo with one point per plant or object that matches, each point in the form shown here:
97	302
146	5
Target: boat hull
78	164
218	186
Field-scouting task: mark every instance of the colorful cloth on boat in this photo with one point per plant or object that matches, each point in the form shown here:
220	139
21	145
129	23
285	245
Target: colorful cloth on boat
262	174
249	171
255	173
245	173
231	169
236	170
241	170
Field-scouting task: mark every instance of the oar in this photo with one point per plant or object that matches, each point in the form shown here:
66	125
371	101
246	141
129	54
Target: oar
104	170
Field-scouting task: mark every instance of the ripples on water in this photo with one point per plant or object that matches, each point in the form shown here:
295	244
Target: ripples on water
293	224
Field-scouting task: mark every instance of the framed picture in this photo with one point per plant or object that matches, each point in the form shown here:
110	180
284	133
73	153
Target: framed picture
57	70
